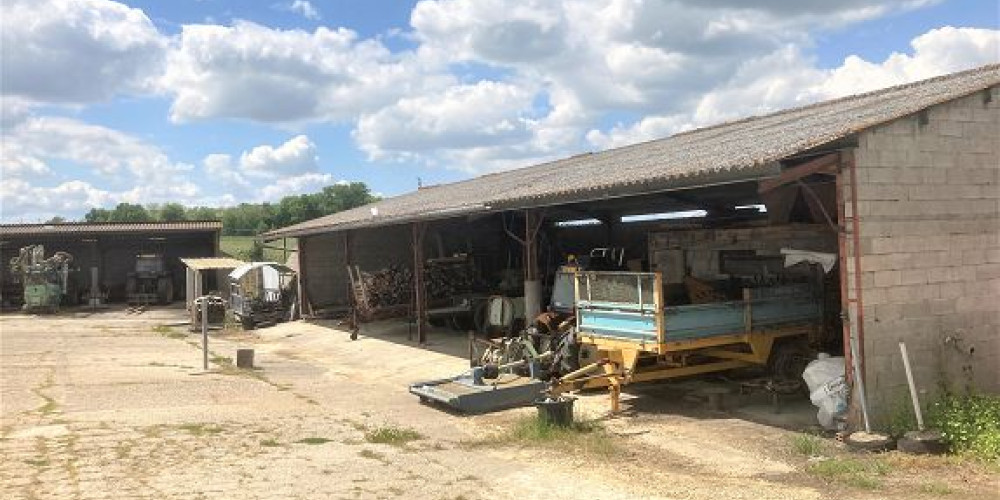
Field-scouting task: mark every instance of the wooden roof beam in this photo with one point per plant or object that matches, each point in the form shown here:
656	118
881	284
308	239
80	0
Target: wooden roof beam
826	164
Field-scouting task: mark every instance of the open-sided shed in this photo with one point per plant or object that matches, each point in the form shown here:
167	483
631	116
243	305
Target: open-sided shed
105	253
904	180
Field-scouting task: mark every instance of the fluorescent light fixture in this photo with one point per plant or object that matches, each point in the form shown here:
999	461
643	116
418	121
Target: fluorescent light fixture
578	223
684	214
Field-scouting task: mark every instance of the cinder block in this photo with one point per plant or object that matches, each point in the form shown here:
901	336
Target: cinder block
883	279
913	277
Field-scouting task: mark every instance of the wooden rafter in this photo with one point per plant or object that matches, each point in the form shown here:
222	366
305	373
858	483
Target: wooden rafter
826	164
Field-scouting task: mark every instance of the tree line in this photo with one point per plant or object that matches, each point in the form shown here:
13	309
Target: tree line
245	219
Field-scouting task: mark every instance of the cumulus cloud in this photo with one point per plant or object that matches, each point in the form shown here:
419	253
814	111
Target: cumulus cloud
304	8
253	72
305	183
787	78
296	156
37	152
77	51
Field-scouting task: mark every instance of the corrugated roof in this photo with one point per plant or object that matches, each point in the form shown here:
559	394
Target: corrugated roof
736	150
82	228
208	263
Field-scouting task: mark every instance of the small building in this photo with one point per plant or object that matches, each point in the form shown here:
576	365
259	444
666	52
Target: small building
106	252
902	185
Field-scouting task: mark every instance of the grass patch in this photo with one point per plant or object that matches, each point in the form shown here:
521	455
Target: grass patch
372	455
168	332
270	443
936	488
37	462
50	405
200	429
860	473
808	445
314	440
582	437
395	436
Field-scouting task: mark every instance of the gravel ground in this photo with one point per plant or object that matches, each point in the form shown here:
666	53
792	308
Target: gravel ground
107	405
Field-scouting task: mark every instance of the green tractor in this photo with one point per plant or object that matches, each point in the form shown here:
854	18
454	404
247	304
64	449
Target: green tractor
45	281
151	282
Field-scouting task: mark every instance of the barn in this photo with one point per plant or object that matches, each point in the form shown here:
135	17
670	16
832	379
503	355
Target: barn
105	253
900	185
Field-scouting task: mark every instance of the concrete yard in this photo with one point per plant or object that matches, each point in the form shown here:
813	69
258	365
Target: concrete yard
112	405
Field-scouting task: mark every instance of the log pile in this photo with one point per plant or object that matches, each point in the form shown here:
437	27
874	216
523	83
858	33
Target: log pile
386	287
445	278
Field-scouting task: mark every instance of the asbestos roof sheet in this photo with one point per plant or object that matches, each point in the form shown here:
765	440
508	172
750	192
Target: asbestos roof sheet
209	263
740	150
85	228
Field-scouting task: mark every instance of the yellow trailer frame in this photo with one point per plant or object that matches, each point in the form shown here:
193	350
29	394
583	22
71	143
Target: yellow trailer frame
623	361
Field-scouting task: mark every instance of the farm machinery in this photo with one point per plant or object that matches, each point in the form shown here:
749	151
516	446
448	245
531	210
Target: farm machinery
613	328
150	282
45	281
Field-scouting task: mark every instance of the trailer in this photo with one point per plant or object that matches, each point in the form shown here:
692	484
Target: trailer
620	331
626	334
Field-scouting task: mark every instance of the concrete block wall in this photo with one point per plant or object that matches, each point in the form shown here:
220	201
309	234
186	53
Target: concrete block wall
929	212
701	246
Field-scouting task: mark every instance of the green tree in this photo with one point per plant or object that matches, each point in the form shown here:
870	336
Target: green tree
97	215
56	220
172	212
203	213
127	212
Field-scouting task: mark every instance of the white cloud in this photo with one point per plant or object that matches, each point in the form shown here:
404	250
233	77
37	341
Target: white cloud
252	72
295	156
460	117
219	168
44	158
77	51
305	9
786	78
305	183
107	152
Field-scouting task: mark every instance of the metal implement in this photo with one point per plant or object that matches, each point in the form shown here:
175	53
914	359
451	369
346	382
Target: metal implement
205	303
262	294
45	281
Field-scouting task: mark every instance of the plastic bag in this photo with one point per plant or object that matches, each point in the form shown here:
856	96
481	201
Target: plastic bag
828	390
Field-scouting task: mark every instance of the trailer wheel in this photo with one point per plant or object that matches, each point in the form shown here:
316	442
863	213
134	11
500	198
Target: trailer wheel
788	360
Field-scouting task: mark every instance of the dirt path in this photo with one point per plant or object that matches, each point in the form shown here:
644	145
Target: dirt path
106	406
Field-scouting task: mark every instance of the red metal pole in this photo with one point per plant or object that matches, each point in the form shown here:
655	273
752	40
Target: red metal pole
845	318
858	296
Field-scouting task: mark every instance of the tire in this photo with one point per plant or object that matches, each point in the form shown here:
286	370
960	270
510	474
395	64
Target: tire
788	359
922	443
869	442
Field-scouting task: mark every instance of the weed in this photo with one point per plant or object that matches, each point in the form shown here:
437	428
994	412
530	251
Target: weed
200	429
395	436
37	462
808	445
970	424
859	473
270	442
373	455
585	437
314	440
936	488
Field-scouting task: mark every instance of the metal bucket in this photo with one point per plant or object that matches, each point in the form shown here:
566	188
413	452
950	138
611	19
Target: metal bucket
555	411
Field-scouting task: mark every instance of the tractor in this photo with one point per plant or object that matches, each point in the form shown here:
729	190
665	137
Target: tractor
151	282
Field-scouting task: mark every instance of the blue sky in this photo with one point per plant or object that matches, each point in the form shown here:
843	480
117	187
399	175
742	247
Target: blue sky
218	102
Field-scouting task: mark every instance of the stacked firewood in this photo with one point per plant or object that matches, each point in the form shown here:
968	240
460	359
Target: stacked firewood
387	287
447	278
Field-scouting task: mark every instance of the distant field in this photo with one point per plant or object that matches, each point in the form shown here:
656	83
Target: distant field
240	247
